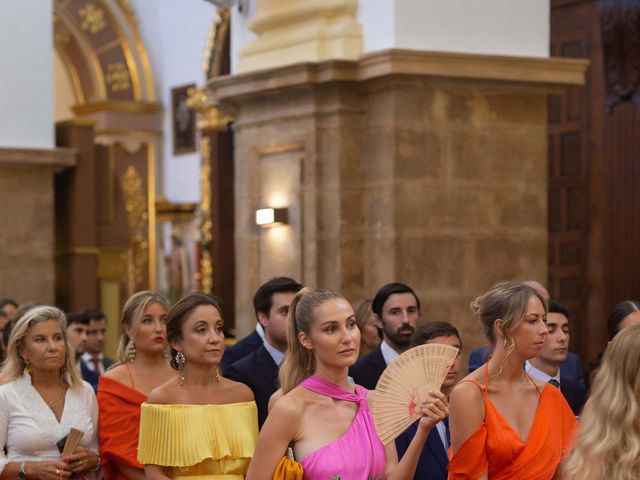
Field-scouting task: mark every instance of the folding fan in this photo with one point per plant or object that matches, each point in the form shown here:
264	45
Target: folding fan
405	384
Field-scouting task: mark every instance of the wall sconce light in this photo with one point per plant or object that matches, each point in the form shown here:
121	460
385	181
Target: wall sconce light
272	217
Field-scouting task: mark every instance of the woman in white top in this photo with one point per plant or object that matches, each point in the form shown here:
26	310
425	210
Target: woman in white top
42	397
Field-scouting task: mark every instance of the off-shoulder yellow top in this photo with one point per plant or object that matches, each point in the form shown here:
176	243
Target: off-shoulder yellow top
199	442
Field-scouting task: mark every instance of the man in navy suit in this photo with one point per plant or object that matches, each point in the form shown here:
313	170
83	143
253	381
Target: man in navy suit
259	369
251	342
546	365
396	309
434	461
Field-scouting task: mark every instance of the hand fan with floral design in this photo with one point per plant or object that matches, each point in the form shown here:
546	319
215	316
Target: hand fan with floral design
405	384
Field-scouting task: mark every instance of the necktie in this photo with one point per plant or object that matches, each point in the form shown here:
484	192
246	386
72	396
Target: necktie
554	382
96	364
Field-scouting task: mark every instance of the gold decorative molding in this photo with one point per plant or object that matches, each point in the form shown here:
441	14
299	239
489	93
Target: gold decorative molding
210	117
118	106
206	225
151	209
215	43
54	157
137	254
92	18
118	77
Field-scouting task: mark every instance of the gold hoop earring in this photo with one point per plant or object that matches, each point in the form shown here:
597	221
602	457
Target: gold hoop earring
27	367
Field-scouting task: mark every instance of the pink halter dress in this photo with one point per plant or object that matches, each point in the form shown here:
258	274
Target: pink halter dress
356	455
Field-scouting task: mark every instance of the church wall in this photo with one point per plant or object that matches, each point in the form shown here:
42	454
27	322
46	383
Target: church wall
26	96
175	35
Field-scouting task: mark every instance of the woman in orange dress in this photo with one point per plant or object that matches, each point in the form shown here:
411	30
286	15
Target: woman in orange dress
504	424
122	389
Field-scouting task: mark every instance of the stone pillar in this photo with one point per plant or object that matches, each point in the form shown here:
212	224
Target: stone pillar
421	167
28	158
291	31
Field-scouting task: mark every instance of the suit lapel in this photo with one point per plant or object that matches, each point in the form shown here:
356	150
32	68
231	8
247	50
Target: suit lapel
267	366
435	446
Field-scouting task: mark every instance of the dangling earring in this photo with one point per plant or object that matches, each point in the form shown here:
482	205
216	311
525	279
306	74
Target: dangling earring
216	374
27	367
131	351
180	361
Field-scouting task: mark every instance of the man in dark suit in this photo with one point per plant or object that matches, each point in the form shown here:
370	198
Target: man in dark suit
396	309
259	369
546	365
434	460
93	356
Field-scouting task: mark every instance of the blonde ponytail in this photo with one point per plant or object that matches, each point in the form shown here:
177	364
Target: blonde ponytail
300	363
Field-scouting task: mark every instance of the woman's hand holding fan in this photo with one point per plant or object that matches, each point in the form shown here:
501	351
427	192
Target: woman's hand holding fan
409	389
434	409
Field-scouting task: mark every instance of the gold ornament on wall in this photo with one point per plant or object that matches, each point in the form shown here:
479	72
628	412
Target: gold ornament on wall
137	255
118	77
92	18
204	213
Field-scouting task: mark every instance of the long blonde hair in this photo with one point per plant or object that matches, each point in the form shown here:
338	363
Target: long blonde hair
132	313
300	363
14	365
608	444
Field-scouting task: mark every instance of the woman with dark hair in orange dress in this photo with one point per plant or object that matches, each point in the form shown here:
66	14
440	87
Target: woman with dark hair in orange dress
123	388
504	424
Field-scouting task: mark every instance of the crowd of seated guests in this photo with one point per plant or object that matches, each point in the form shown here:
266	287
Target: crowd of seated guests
174	403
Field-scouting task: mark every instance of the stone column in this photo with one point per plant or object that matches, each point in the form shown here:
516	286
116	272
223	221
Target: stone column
28	158
421	167
291	31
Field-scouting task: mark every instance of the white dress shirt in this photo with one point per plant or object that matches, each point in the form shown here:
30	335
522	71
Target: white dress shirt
539	374
442	431
388	353
30	430
276	354
87	358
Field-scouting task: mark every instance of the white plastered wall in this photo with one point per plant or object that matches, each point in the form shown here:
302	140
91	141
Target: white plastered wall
26	74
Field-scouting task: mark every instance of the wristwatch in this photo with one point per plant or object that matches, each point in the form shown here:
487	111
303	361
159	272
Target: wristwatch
22	474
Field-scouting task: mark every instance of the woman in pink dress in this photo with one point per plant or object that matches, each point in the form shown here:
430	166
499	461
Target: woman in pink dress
322	415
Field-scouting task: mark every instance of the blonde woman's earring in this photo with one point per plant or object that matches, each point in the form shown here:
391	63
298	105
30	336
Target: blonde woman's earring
131	351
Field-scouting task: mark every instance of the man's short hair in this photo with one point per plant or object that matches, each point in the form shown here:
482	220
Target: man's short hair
430	330
263	299
8	301
78	317
556	307
385	292
94	314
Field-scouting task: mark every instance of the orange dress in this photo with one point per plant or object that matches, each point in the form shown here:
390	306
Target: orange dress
496	448
119	420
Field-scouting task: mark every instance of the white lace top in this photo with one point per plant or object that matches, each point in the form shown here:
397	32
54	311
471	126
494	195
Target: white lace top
30	430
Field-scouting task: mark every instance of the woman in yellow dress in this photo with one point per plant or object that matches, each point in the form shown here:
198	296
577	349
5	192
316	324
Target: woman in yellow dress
198	424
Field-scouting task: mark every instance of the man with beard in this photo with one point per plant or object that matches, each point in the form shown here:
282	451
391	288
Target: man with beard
396	309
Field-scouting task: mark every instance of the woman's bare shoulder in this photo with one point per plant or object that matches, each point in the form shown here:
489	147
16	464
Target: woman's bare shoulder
165	393
239	391
119	374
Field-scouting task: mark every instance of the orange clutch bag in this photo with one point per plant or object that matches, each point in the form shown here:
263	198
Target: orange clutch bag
288	468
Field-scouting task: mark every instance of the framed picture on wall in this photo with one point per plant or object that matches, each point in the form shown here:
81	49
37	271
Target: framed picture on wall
183	120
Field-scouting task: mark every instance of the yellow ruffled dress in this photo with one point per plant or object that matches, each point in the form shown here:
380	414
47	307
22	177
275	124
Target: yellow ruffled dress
199	442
